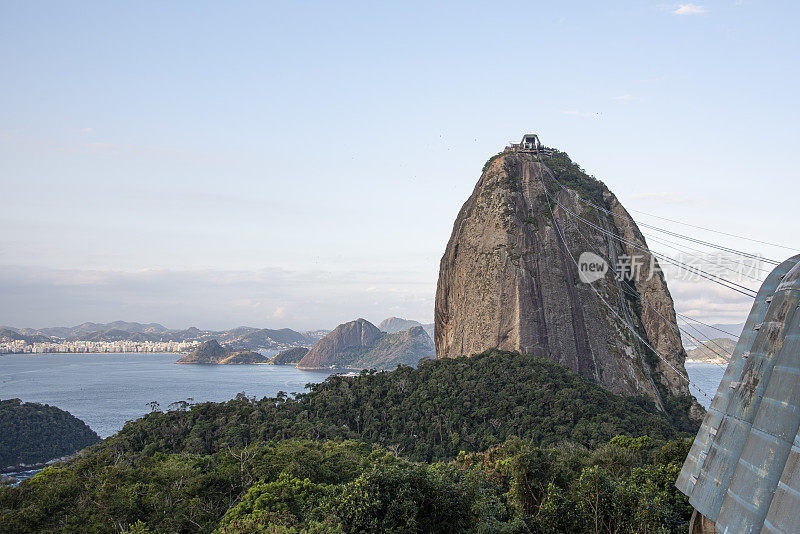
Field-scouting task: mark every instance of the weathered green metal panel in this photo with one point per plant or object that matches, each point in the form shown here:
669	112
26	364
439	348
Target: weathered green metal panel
783	516
692	469
777	419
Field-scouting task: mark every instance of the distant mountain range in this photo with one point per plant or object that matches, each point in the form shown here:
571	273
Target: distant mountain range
243	337
702	333
12	334
76	332
360	344
717	350
393	325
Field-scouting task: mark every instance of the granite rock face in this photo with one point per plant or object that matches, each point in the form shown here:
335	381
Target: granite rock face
406	347
343	341
508	281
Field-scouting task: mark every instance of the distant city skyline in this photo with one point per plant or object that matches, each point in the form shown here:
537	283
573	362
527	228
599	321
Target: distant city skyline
301	165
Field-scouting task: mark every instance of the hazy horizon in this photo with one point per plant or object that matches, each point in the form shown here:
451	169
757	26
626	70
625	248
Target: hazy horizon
301	165
200	327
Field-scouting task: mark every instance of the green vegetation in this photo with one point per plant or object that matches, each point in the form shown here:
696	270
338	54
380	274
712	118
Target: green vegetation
294	486
499	442
289	356
513	172
426	414
211	352
32	433
572	176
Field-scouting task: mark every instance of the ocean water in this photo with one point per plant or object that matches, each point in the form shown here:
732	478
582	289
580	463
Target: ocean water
707	377
106	390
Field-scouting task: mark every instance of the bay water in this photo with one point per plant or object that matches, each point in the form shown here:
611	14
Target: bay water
106	390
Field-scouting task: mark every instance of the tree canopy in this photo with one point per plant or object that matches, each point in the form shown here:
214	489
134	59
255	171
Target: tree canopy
426	414
33	433
499	442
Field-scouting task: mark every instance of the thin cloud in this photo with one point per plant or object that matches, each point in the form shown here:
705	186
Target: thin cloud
625	97
217	299
689	9
705	300
576	113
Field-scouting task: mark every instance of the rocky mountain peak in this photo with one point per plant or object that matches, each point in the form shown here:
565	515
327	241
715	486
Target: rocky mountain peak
397	324
508	281
345	338
361	345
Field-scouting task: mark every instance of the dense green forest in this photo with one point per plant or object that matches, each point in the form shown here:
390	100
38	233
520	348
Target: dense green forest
301	486
426	414
495	443
570	174
32	433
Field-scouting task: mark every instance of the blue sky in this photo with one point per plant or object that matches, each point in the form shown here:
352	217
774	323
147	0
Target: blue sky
301	164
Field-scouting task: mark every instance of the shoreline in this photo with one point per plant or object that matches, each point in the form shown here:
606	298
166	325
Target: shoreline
153	353
33	467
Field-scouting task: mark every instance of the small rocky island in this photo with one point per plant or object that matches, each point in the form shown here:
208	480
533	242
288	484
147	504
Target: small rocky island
212	353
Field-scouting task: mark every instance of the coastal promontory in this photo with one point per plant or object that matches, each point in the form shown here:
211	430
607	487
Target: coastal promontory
32	433
289	356
211	352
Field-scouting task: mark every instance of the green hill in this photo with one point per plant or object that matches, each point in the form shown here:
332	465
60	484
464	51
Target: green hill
32	433
289	356
427	414
524	446
211	352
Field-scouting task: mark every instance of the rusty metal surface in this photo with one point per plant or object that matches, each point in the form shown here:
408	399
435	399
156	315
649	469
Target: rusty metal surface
691	471
726	448
783	516
776	423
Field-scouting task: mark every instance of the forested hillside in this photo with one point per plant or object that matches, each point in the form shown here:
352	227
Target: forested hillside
289	356
32	433
301	486
518	442
426	414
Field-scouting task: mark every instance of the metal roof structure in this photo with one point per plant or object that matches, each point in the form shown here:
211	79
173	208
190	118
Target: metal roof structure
530	142
743	470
